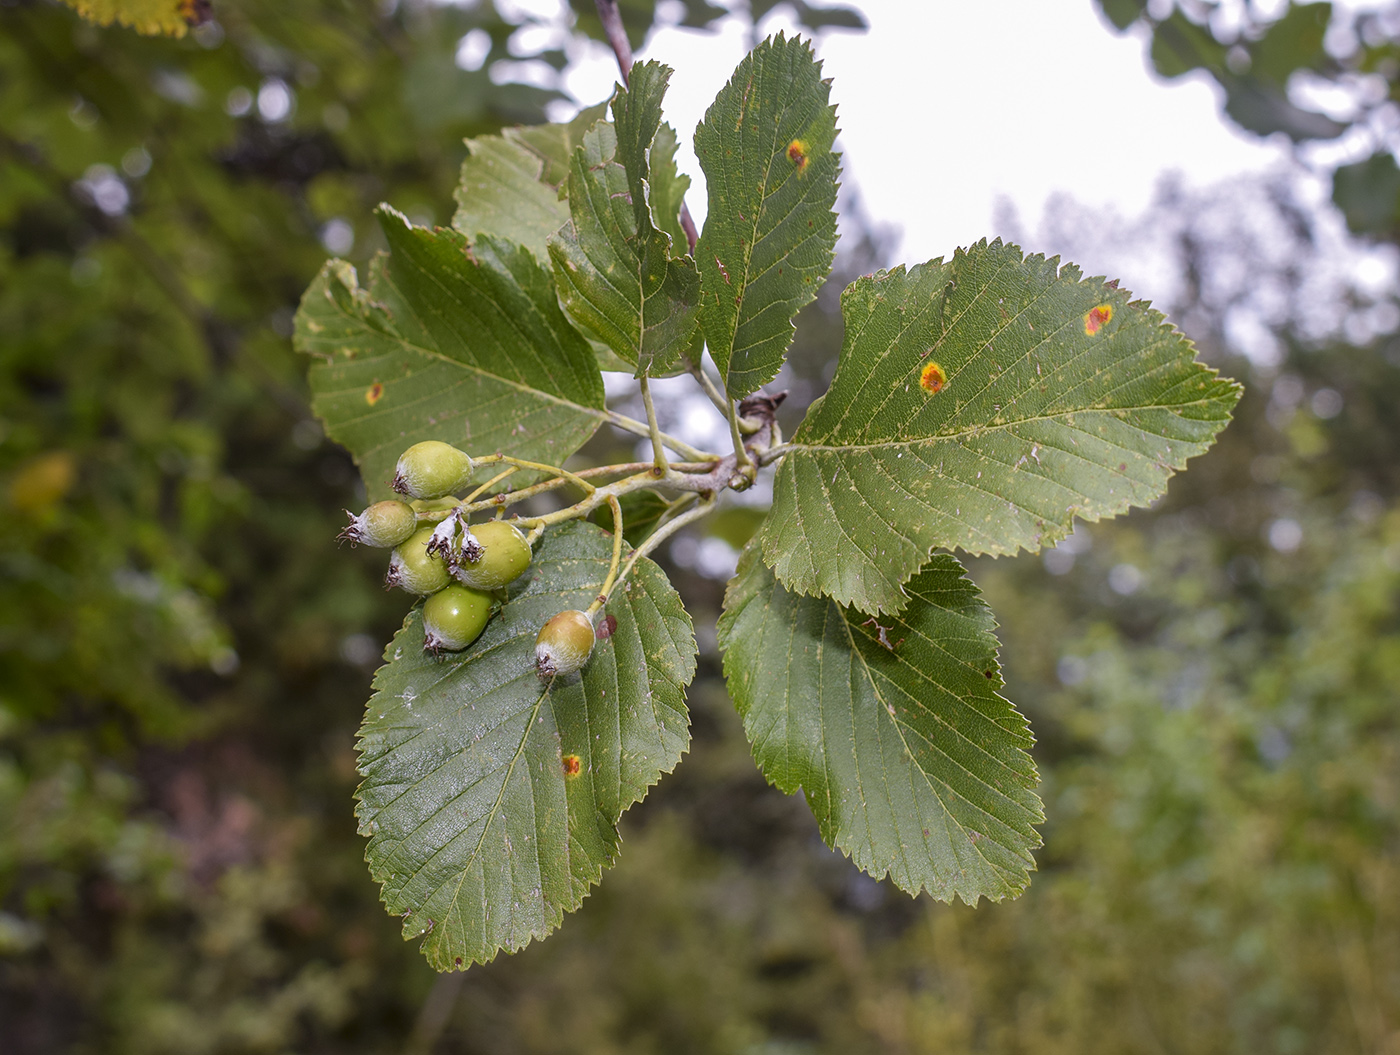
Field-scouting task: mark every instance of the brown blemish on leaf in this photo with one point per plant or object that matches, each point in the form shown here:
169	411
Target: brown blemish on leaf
932	378
572	764
882	635
374	393
797	154
1096	319
606	626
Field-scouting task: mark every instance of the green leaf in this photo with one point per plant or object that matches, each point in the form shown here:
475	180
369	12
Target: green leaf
765	148
1263	107
1180	46
615	272
510	184
1292	43
1060	397
668	188
636	112
452	341
1368	193
909	759
479	835
1122	13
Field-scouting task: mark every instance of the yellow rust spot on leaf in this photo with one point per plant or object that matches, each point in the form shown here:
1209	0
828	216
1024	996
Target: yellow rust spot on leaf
1096	319
572	765
374	393
932	378
797	154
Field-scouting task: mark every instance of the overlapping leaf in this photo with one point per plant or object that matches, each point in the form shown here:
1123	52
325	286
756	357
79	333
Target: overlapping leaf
452	341
616	275
765	148
668	186
982	404
909	759
491	797
510	183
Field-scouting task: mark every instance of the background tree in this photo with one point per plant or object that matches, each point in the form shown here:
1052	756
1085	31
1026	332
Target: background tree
1321	75
178	870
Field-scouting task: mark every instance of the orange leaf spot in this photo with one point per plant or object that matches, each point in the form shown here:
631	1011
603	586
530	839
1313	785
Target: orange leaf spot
1096	318
932	378
797	154
374	393
571	765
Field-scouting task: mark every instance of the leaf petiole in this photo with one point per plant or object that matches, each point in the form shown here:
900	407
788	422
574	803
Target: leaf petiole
658	448
607	586
640	428
705	506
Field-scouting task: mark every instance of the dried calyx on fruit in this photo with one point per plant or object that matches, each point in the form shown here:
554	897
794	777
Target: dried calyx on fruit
453	540
564	644
413	568
431	469
501	556
454	617
382	524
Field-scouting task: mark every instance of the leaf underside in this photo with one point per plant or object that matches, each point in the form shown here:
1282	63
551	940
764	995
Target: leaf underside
908	757
510	183
1059	397
455	342
770	234
668	187
482	829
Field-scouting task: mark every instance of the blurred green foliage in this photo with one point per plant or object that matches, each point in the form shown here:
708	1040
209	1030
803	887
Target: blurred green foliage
184	653
1313	72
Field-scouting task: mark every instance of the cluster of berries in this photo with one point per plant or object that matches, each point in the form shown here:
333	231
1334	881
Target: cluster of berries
460	568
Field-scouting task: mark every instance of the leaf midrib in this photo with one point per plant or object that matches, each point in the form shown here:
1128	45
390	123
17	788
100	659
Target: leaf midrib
928	781
978	430
506	317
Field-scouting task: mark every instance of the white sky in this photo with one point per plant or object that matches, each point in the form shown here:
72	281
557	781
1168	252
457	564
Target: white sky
946	105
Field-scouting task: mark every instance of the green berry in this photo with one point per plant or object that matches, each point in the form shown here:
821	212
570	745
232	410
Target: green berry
382	524
431	469
413	568
564	644
501	553
454	617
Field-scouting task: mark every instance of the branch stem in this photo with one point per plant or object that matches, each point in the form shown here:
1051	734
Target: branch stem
640	428
658	449
607	586
611	17
660	535
741	454
697	371
490	484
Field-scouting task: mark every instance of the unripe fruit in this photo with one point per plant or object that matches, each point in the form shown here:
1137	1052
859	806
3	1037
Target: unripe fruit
564	644
454	617
382	524
413	568
431	469
502	558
